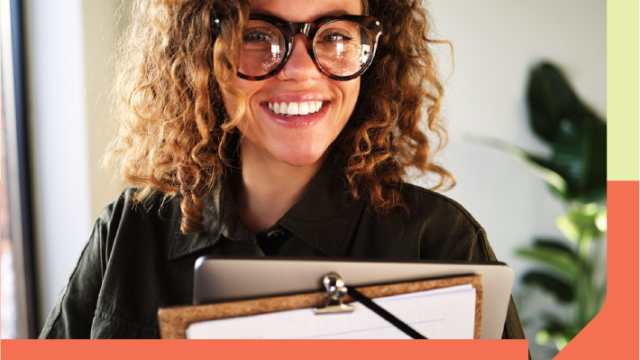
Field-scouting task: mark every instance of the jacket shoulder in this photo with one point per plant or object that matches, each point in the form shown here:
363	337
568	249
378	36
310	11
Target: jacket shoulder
151	221
154	203
420	200
124	231
447	230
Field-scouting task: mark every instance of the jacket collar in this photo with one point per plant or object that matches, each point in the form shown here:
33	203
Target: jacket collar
323	217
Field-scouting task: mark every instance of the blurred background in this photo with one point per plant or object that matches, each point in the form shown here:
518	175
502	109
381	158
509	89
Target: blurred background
58	72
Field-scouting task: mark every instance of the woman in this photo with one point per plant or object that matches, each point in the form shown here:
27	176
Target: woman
265	128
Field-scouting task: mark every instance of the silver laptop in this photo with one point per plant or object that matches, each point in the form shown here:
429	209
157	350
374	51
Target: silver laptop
220	279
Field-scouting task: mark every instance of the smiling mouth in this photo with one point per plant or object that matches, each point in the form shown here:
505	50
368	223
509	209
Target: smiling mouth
295	108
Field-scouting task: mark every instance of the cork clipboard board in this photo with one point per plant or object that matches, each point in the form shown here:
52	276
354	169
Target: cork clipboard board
173	321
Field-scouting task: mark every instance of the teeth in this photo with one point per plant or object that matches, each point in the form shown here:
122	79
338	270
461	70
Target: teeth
294	108
303	108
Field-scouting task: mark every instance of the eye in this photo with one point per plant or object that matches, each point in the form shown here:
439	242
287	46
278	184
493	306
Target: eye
256	35
336	36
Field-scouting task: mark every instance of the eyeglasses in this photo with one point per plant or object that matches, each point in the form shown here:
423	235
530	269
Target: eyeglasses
342	46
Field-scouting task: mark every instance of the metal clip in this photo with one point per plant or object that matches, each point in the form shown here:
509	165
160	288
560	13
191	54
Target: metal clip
335	292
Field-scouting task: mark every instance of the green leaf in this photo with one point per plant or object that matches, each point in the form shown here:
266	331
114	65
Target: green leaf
549	172
550	99
579	155
568	228
595	170
561	341
559	330
564	264
558	287
581	222
601	220
553	325
557	245
577	135
577	169
543	337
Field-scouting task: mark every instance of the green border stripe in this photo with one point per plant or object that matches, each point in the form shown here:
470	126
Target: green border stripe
622	90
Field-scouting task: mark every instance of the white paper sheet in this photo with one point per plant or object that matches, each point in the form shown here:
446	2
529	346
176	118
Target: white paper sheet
447	313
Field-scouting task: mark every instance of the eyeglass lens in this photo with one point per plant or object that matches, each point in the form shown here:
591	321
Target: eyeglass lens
341	47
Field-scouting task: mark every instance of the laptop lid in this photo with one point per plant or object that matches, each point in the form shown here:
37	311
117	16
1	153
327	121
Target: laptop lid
221	279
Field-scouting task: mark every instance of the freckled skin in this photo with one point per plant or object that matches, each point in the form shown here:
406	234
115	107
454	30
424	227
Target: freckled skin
300	146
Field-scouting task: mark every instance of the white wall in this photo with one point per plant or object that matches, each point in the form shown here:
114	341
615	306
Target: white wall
103	23
59	139
496	42
70	44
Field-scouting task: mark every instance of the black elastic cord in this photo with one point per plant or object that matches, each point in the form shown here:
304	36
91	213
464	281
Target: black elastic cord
384	313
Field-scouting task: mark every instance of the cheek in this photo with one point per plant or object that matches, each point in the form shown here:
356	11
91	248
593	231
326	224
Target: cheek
229	105
351	91
241	88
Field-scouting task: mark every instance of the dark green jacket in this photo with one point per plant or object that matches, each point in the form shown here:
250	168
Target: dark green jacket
137	260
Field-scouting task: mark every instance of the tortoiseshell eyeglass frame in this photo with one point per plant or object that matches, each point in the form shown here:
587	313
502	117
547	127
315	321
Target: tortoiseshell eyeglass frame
372	25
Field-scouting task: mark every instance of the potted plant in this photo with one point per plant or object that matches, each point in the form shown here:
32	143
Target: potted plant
569	269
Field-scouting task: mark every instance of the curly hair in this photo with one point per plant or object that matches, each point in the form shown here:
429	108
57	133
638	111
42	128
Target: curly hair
176	137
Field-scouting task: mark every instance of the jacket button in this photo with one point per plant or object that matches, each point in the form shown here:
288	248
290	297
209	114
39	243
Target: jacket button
275	233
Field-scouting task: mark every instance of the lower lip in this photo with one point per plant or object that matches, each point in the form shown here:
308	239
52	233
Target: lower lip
297	121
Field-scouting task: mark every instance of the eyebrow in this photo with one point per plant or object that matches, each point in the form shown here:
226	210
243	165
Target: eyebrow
267	12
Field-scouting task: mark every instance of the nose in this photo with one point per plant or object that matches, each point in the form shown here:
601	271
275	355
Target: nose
300	66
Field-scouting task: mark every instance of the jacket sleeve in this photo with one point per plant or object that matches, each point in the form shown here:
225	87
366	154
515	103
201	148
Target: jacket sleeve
478	249
73	312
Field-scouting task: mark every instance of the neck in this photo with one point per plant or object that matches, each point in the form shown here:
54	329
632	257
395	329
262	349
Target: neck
269	188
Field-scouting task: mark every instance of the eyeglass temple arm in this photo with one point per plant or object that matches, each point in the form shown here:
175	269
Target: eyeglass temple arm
215	24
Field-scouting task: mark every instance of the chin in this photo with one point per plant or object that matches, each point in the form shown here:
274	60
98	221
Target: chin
299	157
300	161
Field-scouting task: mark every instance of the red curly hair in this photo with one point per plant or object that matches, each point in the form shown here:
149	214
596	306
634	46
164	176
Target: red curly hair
176	137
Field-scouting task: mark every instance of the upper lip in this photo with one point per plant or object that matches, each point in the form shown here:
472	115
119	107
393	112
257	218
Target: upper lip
293	97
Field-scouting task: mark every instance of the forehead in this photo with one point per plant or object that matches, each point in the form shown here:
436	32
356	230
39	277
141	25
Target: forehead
305	10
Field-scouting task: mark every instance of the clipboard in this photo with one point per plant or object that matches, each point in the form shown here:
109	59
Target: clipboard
173	321
220	279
